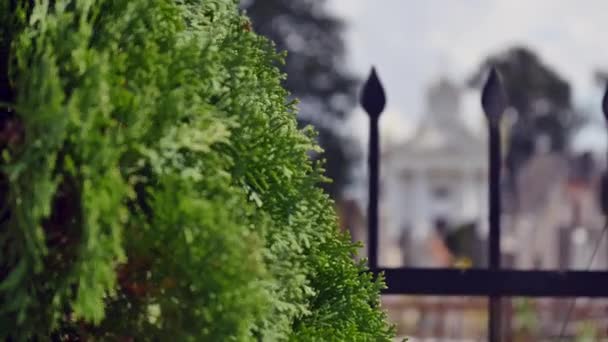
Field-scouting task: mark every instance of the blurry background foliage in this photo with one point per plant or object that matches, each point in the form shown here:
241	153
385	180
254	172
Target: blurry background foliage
155	185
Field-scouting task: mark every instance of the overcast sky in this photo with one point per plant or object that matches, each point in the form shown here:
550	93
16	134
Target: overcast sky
414	42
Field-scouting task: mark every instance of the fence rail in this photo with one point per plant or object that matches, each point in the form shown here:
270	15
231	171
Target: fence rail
480	282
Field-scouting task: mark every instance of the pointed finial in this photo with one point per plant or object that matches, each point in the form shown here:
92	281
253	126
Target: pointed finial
493	97
372	95
605	103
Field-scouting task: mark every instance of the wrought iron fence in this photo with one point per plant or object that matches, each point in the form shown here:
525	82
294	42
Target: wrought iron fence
493	282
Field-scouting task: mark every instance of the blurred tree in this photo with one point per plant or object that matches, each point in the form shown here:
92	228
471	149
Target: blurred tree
541	99
463	242
315	72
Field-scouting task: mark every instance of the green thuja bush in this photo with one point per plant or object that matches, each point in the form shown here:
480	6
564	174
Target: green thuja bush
154	184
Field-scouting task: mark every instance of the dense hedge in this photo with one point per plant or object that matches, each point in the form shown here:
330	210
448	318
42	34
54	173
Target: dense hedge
155	185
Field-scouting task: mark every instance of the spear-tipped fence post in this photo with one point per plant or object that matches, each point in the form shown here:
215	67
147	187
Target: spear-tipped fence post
494	103
373	101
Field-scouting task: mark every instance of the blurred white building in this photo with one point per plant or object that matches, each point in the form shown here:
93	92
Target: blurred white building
438	174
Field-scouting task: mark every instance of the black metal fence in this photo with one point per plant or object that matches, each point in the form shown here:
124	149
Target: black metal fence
493	282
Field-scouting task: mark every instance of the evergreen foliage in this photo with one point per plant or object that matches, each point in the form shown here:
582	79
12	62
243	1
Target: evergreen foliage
155	184
317	75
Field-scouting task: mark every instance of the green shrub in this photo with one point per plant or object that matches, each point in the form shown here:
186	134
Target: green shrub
155	185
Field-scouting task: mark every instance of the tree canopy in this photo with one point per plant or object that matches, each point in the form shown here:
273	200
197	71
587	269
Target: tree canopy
541	98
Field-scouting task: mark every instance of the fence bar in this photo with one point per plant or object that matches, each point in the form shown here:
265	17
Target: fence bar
373	100
372	212
494	103
495	164
495	320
